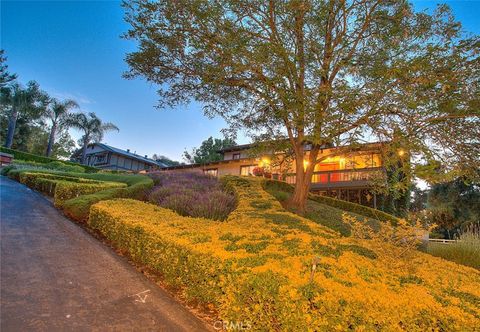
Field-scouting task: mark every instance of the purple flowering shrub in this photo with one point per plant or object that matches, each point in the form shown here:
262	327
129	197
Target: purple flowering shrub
192	194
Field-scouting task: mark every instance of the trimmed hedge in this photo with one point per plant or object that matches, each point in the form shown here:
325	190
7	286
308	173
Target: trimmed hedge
78	208
273	270
63	188
137	188
43	160
336	203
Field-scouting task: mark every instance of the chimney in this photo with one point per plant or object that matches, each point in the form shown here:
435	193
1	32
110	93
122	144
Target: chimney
146	156
128	150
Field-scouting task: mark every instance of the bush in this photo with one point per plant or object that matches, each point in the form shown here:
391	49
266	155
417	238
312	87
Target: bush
78	208
337	203
44	160
275	270
192	194
63	188
137	188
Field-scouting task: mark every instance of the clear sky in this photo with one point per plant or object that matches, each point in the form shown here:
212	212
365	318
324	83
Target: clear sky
73	50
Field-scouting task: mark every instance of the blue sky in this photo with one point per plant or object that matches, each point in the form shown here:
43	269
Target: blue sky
74	50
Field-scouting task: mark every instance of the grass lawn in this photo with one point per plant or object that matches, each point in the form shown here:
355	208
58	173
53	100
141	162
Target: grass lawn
466	251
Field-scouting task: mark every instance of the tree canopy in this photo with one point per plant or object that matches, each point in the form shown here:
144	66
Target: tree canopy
333	72
208	150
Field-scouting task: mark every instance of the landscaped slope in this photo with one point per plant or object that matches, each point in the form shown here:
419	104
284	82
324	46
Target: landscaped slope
277	271
328	212
78	191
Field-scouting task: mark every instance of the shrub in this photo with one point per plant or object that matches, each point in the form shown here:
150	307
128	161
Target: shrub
43	160
63	188
78	208
192	194
305	279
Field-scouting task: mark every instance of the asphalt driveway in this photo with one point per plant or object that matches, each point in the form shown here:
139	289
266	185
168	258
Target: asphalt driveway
56	277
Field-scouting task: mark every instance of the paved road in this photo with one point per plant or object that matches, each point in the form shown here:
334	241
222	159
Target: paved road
56	277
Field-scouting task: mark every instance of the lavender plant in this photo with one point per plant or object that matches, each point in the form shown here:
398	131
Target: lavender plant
192	194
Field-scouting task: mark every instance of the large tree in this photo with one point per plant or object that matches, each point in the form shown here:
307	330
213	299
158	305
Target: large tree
208	150
454	205
93	129
58	113
326	72
22	102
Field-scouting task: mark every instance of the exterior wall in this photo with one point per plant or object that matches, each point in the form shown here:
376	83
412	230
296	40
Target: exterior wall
229	155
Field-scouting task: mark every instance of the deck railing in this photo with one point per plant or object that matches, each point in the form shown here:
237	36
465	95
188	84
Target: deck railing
345	175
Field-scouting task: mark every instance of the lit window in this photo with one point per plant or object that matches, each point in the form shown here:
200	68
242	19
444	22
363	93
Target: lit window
247	170
211	171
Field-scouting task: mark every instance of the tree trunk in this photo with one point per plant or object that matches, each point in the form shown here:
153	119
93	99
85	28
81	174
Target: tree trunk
303	180
84	151
12	122
51	140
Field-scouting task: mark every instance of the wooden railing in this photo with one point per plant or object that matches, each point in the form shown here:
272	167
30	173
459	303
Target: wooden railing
342	176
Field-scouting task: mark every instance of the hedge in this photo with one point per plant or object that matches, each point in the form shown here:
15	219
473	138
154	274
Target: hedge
273	270
43	160
63	188
137	188
78	208
336	203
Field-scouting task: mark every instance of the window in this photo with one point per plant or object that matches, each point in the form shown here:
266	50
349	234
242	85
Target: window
236	156
100	159
247	170
211	171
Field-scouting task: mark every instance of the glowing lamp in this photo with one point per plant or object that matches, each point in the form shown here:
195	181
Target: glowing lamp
401	152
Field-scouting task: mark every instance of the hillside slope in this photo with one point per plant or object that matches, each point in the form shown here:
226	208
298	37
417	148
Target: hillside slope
276	270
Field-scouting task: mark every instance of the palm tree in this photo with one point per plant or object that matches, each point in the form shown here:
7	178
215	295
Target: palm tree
92	127
19	100
58	113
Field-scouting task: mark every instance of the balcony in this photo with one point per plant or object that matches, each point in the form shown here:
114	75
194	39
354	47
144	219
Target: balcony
348	178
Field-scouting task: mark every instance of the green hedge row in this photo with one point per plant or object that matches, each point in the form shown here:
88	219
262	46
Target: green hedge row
64	188
43	160
78	208
337	203
137	188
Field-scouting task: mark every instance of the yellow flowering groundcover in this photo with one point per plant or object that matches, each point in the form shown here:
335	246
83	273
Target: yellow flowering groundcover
277	271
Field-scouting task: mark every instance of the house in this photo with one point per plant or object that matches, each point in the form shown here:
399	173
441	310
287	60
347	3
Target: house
108	157
5	158
349	177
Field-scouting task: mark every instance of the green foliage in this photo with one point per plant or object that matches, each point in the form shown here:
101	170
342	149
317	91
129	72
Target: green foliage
330	73
78	208
137	188
5	76
44	160
62	187
454	205
278	186
208	150
165	160
92	127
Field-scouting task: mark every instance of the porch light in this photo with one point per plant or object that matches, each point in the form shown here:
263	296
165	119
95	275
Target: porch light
265	161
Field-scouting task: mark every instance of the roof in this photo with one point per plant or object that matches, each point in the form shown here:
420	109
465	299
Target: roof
129	154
